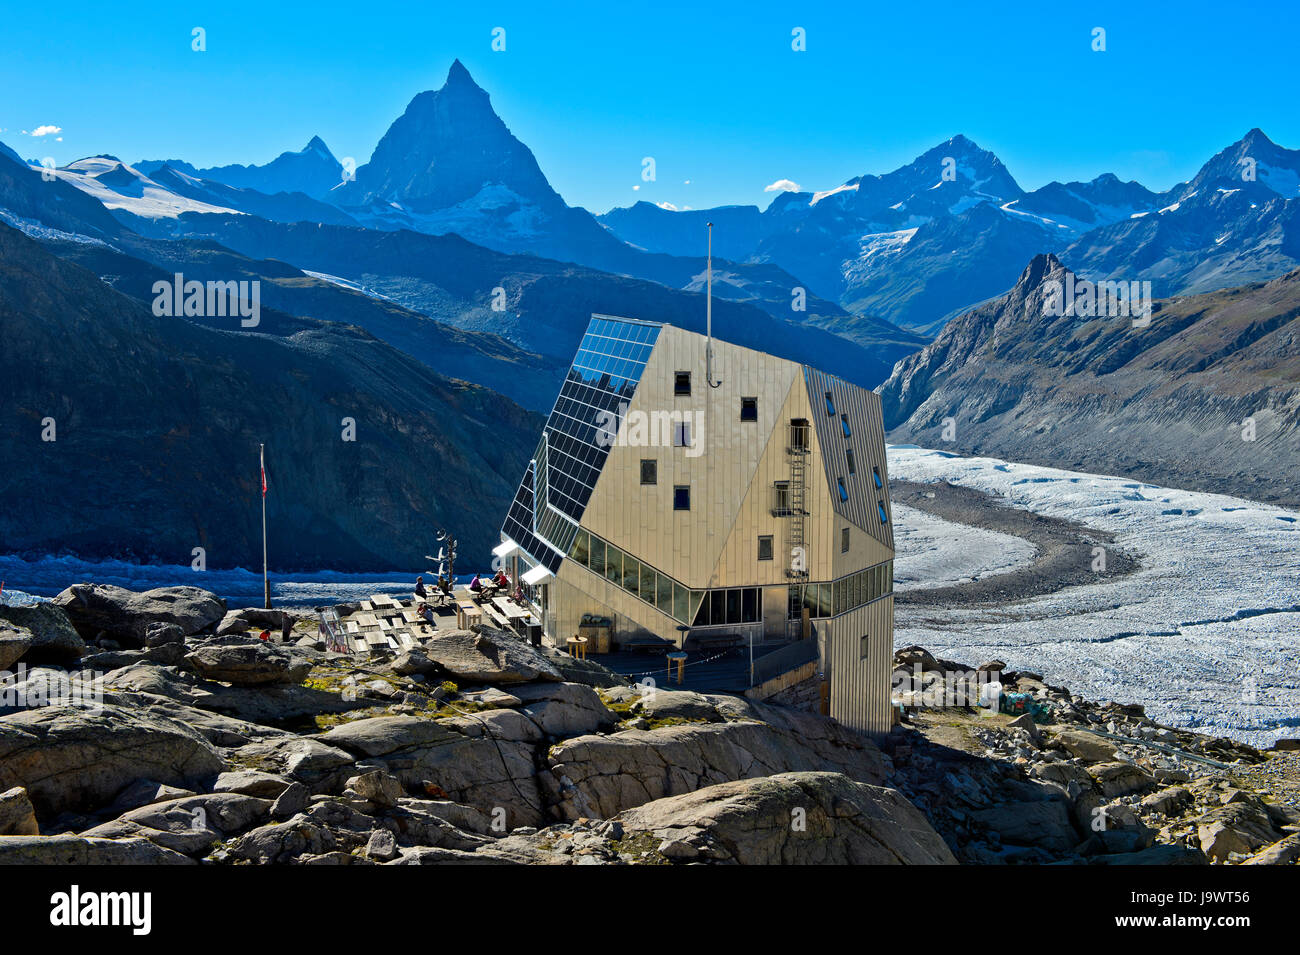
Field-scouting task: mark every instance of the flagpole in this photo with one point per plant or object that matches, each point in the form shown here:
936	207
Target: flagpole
266	581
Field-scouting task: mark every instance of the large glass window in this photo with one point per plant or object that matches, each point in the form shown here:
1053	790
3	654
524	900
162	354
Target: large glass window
681	606
648	587
664	594
597	563
631	575
614	565
581	548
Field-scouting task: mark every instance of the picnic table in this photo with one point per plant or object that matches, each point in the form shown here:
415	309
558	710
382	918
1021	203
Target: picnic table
467	614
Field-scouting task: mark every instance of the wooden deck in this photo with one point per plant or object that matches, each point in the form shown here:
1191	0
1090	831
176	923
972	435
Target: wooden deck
391	623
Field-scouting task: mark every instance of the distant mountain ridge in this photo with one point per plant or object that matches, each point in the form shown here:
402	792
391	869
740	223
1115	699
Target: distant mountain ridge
312	170
1203	397
159	419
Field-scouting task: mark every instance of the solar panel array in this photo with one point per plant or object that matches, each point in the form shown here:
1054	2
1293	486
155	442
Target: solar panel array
554	492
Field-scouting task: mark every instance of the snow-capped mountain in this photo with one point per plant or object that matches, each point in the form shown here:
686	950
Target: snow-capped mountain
312	170
122	187
925	242
1236	221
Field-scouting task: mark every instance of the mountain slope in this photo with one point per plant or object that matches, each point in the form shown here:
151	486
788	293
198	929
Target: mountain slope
158	422
1165	403
546	304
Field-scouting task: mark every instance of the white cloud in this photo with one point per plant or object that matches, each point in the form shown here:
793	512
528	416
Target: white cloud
44	131
636	188
783	185
666	205
686	183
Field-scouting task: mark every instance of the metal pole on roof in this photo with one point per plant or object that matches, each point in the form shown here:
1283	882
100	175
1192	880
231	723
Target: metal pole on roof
708	312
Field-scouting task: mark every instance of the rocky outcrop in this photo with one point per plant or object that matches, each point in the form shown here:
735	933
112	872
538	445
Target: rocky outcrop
791	819
72	758
79	850
126	615
602	776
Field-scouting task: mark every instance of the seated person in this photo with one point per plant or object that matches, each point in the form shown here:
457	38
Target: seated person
419	587
476	585
424	612
501	580
444	583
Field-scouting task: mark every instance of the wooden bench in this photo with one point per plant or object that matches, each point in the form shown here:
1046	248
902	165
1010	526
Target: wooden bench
646	645
718	641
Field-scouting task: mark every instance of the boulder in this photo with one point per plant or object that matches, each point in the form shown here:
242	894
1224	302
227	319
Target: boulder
54	640
126	615
489	656
1121	779
412	661
564	710
661	704
295	798
317	765
17	815
190	824
251	782
70	758
247	664
14	642
377	787
1086	746
790	819
79	850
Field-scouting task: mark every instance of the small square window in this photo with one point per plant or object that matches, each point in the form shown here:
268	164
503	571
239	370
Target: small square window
682	383
748	409
844	541
830	404
681	497
682	434
864	646
844	493
649	471
765	547
853	467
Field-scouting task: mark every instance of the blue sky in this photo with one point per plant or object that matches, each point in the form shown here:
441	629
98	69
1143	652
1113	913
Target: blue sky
713	92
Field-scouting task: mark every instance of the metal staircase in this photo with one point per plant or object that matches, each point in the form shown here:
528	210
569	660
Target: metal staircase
797	451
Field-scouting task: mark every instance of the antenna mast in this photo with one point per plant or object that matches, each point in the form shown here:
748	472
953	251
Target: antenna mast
708	311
